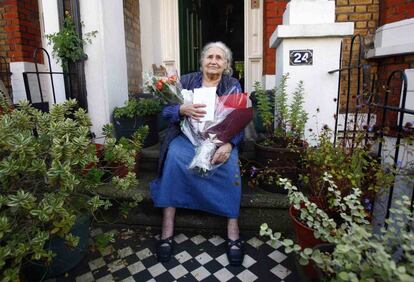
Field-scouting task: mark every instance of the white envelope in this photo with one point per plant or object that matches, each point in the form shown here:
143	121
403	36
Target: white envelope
207	96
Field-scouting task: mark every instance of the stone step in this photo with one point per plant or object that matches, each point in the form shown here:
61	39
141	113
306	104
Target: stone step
257	206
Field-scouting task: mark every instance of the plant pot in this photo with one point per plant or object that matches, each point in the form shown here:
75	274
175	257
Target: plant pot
126	127
41	106
289	172
136	166
304	238
283	161
324	248
66	258
278	156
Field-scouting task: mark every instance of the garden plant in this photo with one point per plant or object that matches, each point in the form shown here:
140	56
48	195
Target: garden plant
355	252
47	180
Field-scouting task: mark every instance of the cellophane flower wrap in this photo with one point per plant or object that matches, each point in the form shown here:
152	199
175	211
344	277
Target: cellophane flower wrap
166	87
231	115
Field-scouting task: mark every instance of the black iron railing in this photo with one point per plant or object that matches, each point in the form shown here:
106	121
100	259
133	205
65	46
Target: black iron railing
368	100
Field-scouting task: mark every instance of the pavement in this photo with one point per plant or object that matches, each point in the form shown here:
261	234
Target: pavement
199	255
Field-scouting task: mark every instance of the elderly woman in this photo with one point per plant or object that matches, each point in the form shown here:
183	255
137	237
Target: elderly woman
176	187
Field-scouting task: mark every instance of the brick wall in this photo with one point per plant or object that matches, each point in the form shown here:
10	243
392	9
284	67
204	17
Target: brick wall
365	15
273	16
4	47
133	45
393	11
20	21
396	10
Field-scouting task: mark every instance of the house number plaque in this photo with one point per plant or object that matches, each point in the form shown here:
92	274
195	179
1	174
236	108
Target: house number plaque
301	57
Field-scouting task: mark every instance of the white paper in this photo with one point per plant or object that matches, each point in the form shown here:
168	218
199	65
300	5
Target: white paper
187	96
206	96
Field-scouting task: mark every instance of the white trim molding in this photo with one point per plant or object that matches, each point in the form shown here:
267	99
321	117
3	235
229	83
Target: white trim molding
393	39
253	44
170	40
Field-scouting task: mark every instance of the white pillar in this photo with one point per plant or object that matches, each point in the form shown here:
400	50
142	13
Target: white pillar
106	67
150	33
253	44
310	25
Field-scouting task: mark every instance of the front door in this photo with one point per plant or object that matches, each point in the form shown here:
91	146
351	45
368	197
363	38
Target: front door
204	21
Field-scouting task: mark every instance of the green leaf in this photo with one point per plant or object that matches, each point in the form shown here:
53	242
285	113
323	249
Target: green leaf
343	276
308	251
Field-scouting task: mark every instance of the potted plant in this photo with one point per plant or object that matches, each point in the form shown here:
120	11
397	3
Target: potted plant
348	167
354	252
135	113
45	188
279	149
67	44
133	144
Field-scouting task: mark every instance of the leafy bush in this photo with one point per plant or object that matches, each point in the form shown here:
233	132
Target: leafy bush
138	107
358	254
44	180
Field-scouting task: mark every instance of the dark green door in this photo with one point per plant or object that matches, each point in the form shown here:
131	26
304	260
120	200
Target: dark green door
190	35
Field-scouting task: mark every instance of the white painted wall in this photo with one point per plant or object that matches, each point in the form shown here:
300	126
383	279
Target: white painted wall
106	67
321	88
269	81
409	103
19	91
150	33
310	25
49	23
160	34
309	12
393	39
253	44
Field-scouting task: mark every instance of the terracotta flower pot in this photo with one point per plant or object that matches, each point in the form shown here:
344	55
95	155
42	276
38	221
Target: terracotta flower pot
304	238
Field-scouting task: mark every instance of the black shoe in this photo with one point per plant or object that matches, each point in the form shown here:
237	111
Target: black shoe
164	249
235	255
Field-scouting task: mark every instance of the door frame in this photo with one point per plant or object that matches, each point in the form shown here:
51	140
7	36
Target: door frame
253	39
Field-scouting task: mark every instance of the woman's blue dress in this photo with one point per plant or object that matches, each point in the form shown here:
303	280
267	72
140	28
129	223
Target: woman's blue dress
219	193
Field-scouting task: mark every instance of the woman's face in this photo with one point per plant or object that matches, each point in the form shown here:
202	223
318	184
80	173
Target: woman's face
214	62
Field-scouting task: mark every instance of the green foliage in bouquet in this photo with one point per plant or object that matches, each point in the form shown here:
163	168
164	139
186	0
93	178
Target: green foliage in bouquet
166	88
45	181
289	119
358	253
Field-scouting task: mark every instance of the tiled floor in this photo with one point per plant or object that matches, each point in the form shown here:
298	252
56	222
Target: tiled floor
198	257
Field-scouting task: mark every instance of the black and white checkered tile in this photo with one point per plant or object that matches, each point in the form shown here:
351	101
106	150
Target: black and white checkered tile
197	257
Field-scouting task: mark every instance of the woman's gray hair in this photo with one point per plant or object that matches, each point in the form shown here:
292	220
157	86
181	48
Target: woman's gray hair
227	54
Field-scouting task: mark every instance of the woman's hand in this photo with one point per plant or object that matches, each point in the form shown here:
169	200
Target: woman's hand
222	154
194	111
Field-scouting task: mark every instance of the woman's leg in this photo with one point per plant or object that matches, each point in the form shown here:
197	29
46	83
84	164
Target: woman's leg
168	222
235	253
232	229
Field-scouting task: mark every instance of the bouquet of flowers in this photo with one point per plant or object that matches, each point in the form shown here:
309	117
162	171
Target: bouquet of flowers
230	117
167	87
